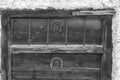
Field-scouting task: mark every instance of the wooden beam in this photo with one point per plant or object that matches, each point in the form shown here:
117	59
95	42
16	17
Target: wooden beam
57	13
4	46
56	49
103	12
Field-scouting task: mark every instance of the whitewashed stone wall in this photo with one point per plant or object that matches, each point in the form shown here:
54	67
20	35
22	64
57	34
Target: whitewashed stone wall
73	4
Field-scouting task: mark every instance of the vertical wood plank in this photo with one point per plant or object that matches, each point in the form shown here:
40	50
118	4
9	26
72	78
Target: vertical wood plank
4	45
106	65
9	43
103	42
84	33
29	22
109	50
11	24
104	54
66	32
103	31
48	31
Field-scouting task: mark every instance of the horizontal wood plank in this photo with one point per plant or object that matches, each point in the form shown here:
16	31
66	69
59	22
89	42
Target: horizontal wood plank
56	49
56	74
102	12
58	13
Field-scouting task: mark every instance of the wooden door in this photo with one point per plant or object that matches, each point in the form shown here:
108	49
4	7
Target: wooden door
47	48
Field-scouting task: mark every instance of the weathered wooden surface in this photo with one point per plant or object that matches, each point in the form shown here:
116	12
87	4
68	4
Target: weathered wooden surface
38	31
96	49
59	13
57	31
107	57
4	46
19	31
81	74
72	30
37	66
42	13
75	30
107	12
56	49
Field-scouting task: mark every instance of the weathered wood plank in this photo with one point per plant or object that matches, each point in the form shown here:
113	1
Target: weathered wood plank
75	66
65	69
102	12
4	44
107	67
56	74
42	61
81	78
58	13
42	13
56	49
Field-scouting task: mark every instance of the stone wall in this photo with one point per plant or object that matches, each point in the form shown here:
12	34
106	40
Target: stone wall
77	4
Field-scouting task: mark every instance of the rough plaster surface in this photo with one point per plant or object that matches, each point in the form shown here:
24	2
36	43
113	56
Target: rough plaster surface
58	4
116	45
73	4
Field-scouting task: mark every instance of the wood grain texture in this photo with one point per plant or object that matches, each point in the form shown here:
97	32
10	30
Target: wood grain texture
53	31
59	13
37	66
85	71
4	44
19	31
56	49
57	31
